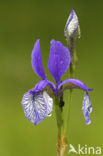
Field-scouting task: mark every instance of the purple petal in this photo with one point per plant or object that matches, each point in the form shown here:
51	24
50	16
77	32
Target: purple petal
59	60
72	24
41	85
87	108
37	106
76	82
37	61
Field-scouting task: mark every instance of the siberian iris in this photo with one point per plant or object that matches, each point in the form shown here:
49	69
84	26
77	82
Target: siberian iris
37	103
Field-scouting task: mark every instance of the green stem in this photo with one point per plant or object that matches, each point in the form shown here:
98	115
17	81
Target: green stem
66	125
58	116
61	138
59	124
62	125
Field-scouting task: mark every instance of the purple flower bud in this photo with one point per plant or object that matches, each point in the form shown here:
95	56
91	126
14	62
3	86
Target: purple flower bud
72	25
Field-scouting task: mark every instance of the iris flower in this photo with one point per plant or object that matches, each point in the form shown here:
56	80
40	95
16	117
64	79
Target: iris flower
37	103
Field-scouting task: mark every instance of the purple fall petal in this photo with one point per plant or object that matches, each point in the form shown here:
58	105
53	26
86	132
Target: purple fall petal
37	106
41	85
76	82
87	108
36	60
59	60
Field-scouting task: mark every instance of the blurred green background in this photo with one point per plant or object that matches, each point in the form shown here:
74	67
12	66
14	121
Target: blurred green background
21	24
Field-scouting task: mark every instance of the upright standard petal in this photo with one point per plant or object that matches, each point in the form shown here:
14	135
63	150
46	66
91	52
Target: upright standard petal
36	60
72	25
87	108
59	60
37	106
76	84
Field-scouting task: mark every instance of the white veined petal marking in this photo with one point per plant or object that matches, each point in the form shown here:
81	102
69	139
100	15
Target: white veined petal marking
87	108
37	106
49	102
